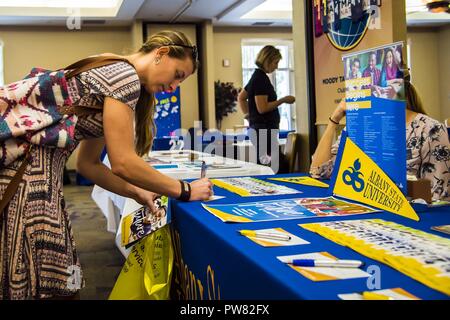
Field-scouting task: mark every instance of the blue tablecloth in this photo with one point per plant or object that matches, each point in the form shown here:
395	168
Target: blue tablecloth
216	262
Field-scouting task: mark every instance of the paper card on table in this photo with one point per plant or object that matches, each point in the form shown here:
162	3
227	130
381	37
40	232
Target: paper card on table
359	178
248	187
391	294
307	181
284	209
444	228
153	161
422	256
164	166
323	273
265	242
214	198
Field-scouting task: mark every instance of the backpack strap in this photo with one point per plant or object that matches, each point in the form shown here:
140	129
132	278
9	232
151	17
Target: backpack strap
14	183
84	65
75	69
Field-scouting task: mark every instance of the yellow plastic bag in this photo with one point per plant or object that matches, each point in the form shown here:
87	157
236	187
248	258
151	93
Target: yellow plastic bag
147	273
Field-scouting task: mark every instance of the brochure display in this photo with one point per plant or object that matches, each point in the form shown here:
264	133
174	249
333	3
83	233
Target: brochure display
375	103
422	256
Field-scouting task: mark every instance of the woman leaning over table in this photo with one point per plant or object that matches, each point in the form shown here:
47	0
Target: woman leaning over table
427	146
37	247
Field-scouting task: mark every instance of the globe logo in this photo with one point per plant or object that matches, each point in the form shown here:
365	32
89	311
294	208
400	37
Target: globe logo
350	33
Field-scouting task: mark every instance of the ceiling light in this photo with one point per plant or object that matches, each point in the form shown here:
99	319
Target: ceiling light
59	3
271	9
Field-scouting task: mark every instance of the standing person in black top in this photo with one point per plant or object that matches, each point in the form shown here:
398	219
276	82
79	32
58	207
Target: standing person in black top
258	101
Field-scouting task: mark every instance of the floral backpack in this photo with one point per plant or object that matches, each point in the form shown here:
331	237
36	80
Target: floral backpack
38	111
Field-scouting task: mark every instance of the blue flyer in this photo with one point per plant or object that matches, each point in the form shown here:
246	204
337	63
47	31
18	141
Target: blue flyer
286	209
375	101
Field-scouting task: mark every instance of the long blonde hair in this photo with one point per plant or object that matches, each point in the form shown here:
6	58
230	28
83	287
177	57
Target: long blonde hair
180	48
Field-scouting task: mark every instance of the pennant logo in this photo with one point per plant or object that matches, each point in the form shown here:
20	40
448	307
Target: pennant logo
359	178
353	177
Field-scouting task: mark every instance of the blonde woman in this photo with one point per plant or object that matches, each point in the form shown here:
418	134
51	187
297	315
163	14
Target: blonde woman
38	255
259	100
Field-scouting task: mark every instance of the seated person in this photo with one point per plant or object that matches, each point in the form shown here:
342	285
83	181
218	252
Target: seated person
391	78
372	71
427	146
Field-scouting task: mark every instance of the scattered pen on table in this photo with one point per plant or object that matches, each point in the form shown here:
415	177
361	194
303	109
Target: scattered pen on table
203	172
266	235
325	263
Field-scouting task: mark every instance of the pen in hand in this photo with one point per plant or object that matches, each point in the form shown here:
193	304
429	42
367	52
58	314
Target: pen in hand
203	172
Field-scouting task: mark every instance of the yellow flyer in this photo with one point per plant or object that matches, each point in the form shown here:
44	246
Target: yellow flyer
248	187
273	237
420	255
385	294
307	181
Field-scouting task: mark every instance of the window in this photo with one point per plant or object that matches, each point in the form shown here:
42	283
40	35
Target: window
1	64
282	79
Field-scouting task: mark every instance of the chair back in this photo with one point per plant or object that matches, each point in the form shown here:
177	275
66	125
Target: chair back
291	150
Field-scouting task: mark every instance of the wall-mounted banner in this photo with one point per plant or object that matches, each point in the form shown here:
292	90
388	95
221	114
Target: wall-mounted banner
356	25
167	113
376	107
357	177
345	22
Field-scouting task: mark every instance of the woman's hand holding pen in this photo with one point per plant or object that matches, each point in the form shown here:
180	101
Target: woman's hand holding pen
201	189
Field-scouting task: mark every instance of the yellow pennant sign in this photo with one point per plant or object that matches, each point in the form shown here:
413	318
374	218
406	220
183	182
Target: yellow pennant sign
361	179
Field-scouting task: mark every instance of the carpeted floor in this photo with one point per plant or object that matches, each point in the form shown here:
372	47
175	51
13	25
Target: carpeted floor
101	261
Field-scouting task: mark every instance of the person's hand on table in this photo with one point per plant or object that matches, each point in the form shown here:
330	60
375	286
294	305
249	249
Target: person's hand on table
145	198
201	189
339	112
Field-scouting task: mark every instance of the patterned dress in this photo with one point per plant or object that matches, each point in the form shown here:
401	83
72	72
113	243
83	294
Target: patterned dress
427	155
38	258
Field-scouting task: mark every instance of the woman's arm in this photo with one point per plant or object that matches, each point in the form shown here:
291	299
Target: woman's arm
90	166
323	151
242	101
125	163
263	106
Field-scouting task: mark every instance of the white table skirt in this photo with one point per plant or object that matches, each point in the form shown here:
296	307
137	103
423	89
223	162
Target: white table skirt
114	207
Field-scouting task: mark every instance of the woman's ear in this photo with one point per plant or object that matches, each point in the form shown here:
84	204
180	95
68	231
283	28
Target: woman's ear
162	51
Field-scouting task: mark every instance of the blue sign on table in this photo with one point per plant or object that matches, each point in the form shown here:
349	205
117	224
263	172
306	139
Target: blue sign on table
375	101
